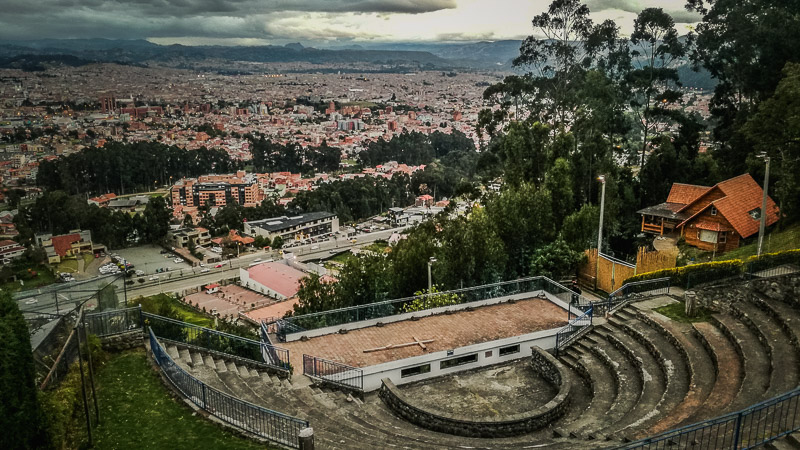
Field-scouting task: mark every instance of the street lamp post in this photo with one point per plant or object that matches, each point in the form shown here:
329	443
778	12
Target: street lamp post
602	179
763	223
430	263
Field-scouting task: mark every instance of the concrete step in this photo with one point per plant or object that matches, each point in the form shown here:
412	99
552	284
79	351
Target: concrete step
700	369
728	368
172	351
654	381
756	363
604	390
782	354
787	317
196	358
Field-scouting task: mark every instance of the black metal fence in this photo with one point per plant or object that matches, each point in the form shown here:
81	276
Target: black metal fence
387	308
272	425
637	289
568	333
109	323
335	373
751	427
216	341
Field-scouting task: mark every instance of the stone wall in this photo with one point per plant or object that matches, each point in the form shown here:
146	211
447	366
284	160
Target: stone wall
514	425
124	341
720	298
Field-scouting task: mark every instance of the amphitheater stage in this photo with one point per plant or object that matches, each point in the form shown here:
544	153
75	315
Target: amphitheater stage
393	347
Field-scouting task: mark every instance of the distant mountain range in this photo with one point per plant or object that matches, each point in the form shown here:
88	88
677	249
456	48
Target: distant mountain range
497	55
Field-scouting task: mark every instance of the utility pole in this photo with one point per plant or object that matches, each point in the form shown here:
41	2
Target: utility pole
763	223
602	179
430	263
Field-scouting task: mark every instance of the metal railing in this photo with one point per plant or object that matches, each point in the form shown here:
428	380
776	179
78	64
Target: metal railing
637	289
569	332
335	373
751	427
109	323
217	341
272	425
296	324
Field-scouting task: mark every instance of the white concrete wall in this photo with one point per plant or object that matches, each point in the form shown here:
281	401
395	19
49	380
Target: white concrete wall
247	282
545	339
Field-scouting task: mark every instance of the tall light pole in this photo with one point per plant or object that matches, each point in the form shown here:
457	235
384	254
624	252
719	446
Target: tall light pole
763	223
602	179
430	263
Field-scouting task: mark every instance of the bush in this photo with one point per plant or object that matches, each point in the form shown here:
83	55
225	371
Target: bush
695	274
770	260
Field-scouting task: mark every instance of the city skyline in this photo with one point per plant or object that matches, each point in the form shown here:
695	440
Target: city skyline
311	22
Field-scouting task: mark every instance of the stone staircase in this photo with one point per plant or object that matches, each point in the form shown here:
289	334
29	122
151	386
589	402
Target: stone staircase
638	374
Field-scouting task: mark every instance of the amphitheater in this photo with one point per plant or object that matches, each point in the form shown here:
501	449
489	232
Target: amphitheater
634	374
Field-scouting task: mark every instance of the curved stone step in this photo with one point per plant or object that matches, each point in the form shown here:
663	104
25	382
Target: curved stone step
782	353
755	382
785	315
599	371
654	381
728	370
700	368
673	362
627	381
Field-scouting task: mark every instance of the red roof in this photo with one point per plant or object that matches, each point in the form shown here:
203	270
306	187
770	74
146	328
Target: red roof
212	286
63	243
277	276
685	193
742	195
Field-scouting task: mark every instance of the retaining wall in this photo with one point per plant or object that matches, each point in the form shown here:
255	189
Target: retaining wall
514	425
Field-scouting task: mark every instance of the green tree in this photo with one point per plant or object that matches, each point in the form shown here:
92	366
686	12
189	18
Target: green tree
656	47
555	260
434	300
21	417
775	130
277	242
156	217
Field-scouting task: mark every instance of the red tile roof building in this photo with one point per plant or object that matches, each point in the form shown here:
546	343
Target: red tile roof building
712	218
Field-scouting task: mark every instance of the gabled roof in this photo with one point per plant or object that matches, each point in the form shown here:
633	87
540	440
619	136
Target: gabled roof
685	193
742	195
64	242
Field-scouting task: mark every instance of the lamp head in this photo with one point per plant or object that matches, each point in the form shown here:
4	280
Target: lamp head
601	178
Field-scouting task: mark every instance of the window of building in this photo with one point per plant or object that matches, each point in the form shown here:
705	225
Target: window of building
713	211
510	350
708	236
413	371
460	361
723	237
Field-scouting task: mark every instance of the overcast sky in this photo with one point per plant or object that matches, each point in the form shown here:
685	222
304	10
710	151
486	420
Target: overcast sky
244	22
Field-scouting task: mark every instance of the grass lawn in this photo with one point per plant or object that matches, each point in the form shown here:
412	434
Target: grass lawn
343	257
676	312
151	304
67	265
137	411
43	278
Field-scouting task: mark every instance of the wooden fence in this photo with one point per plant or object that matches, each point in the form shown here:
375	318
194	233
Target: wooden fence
606	273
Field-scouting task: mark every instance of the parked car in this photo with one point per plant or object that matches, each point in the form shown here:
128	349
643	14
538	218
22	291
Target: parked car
154	278
204	270
218	266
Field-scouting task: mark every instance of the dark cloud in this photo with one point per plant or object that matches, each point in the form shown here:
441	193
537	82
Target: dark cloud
633	6
679	14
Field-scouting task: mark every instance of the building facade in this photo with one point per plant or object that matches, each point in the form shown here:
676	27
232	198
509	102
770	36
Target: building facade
296	228
217	190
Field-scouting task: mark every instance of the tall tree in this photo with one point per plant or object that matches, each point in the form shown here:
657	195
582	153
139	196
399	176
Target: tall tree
21	417
656	47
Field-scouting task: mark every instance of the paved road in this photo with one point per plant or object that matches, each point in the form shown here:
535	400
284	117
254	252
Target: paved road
56	298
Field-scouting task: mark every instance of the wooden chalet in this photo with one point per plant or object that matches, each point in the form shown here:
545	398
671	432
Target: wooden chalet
711	218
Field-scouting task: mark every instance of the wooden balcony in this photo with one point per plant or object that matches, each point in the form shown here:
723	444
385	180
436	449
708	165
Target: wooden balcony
653	227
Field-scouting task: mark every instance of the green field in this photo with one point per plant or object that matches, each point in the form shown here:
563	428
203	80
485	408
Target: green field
676	312
44	277
136	411
154	303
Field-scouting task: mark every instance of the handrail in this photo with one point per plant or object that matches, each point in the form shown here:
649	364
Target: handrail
218	341
294	324
273	425
334	372
566	334
750	427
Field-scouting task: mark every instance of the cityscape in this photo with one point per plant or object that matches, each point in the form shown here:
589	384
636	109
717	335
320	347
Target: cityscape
412	224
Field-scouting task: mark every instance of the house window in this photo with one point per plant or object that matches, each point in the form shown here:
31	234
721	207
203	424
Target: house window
713	211
413	371
510	350
460	361
708	236
723	237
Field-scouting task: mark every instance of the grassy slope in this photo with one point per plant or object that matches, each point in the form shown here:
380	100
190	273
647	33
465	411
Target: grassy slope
775	241
136	411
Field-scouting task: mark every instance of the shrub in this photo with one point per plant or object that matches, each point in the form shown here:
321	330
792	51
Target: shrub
769	260
689	276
